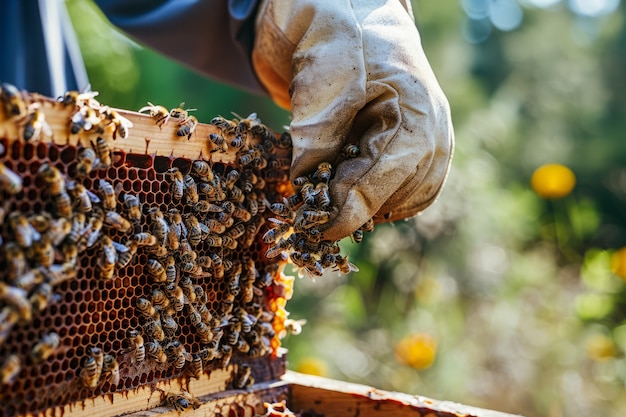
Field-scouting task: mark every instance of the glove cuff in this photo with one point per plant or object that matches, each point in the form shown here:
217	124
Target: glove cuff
271	57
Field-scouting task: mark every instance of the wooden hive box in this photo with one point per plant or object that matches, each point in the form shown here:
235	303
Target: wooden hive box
133	275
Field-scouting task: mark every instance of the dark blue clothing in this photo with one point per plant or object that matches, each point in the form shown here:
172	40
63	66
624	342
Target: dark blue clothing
214	37
39	53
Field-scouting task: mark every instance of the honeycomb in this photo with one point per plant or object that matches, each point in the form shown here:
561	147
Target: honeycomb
102	290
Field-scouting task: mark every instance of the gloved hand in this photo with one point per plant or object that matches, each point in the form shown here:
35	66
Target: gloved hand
355	72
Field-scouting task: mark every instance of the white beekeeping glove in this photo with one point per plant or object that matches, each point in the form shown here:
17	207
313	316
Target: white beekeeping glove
355	72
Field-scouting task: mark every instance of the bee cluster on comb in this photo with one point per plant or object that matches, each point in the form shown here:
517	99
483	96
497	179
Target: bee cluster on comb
122	268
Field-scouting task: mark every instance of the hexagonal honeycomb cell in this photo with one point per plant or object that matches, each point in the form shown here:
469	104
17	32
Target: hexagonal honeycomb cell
122	269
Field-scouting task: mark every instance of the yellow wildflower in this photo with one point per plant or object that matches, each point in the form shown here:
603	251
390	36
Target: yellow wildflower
418	350
553	181
312	366
618	263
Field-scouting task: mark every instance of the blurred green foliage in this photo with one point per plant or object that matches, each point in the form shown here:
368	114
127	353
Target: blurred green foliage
516	291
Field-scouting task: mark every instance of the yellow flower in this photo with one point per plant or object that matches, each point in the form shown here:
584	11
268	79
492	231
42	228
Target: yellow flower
553	181
618	263
417	350
312	366
600	347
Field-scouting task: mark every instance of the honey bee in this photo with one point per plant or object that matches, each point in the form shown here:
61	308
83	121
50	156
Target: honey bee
299	182
294	200
205	313
16	261
225	125
187	127
294	327
182	401
135	343
204	333
53	178
219	142
159	226
238	142
59	273
86	161
194	229
42	252
322	197
171	272
315	217
323	172
246	159
368	226
195	367
168	324
159	299
109	201
92	367
231	178
145	308
344	266
125	252
46	346
83	198
177	183
201	296
84	119
191	190
116	221
203	170
176	296
218	265
144	239
243	378
350	151
103	152
79	98
153	329
177	355
307	264
209	352
17	298
180	113
155	351
42	296
279	230
159	113
12	102
156	270
133	205
282	210
10	369
35	124
357	236
226	353
10	182
120	123
111	369
278	248
229	242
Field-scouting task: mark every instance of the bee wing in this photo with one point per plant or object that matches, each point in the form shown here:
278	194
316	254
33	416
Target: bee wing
120	247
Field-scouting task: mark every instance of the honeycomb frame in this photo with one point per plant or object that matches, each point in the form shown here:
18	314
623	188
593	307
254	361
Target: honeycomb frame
88	311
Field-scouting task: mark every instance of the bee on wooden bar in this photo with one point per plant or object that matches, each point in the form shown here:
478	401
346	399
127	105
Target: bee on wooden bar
219	142
10	369
225	125
85	97
180	113
84	119
182	401
187	127
120	123
159	113
243	378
